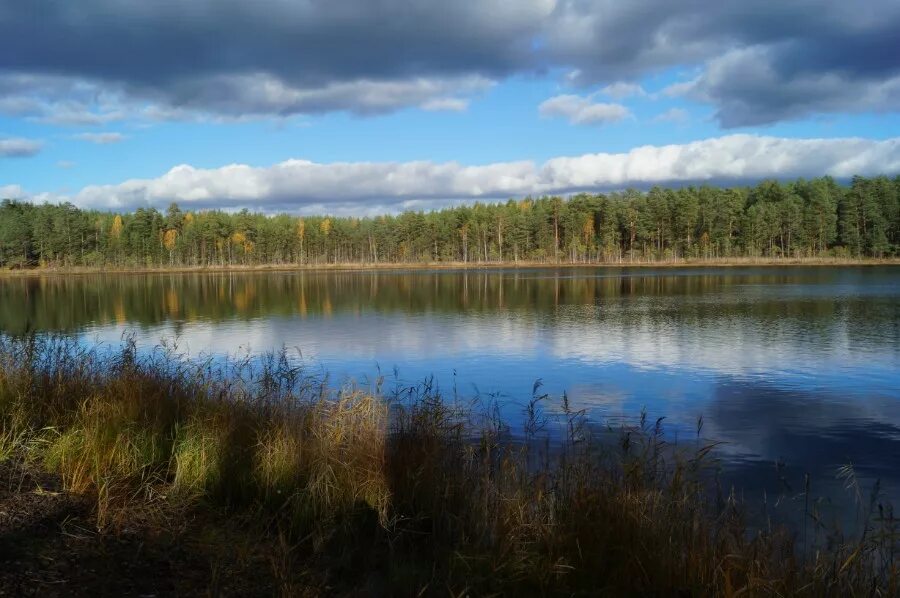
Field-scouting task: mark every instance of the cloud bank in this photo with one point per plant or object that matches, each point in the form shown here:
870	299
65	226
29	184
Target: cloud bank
760	62
302	186
97	61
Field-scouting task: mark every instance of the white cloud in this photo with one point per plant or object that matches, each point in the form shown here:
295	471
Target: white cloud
12	192
62	100
673	115
76	114
729	158
101	138
582	111
261	94
373	187
446	105
17	147
621	90
682	88
65	164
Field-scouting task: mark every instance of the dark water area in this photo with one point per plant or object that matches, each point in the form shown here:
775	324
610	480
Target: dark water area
791	365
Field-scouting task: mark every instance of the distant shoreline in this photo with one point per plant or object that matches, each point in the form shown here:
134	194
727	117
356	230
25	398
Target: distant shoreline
523	265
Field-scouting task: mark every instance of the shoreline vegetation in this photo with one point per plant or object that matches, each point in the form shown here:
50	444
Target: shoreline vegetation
523	265
817	218
171	476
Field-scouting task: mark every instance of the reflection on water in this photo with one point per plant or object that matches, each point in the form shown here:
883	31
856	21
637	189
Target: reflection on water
798	364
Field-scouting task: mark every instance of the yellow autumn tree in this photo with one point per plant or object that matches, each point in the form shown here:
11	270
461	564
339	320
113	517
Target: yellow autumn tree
301	235
240	241
169	239
587	230
325	229
116	231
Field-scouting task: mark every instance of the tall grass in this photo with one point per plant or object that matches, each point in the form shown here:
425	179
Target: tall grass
410	493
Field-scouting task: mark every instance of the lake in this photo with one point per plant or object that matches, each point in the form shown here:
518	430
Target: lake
798	365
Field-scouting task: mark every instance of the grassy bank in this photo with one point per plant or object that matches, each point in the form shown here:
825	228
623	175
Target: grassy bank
359	493
679	263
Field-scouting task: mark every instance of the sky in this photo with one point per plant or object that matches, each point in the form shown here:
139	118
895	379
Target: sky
370	106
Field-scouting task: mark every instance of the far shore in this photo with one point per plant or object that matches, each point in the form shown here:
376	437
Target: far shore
679	263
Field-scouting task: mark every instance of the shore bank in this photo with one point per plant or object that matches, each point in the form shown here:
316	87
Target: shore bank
688	263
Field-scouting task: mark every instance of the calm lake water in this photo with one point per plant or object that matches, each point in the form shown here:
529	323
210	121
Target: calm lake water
799	365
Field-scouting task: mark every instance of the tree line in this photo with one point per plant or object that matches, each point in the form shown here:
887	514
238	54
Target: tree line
802	218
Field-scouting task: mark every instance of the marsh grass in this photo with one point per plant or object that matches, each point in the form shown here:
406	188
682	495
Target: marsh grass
411	493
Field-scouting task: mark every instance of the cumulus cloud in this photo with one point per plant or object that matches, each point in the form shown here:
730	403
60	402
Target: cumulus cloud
733	158
372	187
62	101
101	138
59	99
761	62
673	115
621	90
105	60
583	111
17	147
262	94
752	87
446	105
12	192
281	58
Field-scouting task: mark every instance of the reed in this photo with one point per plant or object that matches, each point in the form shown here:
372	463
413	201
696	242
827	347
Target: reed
411	493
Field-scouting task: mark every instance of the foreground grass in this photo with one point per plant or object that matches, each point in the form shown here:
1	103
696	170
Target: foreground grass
409	494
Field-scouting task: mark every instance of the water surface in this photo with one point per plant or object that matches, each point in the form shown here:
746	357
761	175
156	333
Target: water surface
795	365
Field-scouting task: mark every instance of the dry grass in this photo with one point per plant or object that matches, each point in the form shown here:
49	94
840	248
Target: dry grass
411	494
456	265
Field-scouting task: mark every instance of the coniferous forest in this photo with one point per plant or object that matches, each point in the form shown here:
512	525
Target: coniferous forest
803	218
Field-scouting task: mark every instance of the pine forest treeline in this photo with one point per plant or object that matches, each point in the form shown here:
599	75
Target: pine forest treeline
804	218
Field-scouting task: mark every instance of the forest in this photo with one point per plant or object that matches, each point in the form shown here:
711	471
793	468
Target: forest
803	218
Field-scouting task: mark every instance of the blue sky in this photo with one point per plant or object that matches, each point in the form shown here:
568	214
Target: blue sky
545	96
